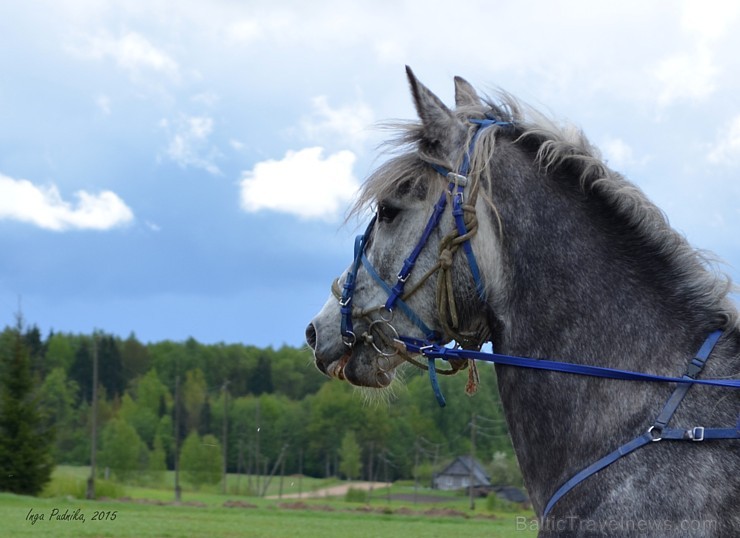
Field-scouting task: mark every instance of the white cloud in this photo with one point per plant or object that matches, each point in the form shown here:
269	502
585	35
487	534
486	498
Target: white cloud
103	103
189	144
303	183
244	31
132	52
44	207
236	145
349	123
693	75
687	77
708	20
727	147
618	153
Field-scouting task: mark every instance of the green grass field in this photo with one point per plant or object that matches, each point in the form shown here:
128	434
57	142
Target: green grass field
204	515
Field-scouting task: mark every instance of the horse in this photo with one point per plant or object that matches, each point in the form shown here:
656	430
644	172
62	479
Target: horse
521	235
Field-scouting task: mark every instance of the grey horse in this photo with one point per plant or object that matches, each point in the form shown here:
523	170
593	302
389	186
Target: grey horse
576	264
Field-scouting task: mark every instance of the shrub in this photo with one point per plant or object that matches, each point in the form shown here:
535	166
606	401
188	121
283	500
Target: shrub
71	486
356	495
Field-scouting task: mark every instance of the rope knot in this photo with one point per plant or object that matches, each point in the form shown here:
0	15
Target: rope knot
445	259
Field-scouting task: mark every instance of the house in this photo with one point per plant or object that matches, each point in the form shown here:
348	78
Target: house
457	475
513	495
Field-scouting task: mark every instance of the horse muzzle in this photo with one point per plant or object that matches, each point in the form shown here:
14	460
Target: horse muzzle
359	364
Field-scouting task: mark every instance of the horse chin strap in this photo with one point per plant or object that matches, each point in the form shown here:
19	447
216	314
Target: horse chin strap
380	333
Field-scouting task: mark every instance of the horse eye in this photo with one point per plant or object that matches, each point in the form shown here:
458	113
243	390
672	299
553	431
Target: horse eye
386	212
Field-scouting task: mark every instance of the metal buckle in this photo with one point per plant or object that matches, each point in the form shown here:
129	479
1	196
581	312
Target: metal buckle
696	433
459	179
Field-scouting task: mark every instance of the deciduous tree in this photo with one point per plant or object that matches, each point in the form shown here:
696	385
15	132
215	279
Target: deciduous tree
201	459
350	456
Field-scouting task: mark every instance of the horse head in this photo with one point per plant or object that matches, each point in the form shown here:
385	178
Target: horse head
409	275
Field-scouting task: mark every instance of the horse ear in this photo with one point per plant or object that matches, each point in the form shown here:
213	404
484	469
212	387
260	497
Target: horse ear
465	94
439	122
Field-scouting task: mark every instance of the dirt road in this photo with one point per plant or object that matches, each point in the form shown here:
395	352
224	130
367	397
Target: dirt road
333	491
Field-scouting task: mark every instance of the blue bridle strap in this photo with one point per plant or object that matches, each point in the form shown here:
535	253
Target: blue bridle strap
408	264
459	215
345	302
406	309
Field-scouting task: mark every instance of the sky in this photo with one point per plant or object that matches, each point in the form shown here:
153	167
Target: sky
184	169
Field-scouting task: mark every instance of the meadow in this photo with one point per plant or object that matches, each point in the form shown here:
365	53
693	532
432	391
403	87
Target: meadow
144	512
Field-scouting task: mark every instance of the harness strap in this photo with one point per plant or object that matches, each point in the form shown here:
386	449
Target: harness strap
695	367
658	431
597	466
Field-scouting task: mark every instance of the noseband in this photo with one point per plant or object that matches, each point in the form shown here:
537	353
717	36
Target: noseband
465	229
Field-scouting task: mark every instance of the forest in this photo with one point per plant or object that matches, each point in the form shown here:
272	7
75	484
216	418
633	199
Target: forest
259	410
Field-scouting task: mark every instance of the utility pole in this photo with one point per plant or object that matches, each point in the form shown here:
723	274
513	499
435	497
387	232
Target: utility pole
257	448
282	475
239	468
274	470
385	472
370	476
472	463
178	491
224	432
416	470
250	466
300	474
90	494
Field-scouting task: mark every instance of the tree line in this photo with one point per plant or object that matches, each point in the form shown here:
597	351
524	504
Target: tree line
235	407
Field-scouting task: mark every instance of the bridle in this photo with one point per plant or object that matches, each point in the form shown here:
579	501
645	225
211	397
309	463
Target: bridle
466	352
462	202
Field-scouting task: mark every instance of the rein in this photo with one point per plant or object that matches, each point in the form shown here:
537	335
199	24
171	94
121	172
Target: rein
461	356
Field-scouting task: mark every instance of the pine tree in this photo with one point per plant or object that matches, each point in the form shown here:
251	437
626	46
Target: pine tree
25	444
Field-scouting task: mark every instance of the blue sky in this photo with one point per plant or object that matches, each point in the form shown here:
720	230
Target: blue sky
179	169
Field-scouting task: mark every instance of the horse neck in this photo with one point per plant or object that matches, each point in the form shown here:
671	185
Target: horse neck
571	294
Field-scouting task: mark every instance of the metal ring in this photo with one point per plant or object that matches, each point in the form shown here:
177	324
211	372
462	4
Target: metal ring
347	341
390	314
395	335
655	437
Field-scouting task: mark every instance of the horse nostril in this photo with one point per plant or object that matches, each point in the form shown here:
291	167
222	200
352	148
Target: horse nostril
311	336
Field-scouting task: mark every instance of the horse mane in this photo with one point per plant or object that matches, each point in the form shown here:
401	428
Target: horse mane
687	276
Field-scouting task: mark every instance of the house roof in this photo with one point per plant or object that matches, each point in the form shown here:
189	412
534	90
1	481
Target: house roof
461	466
